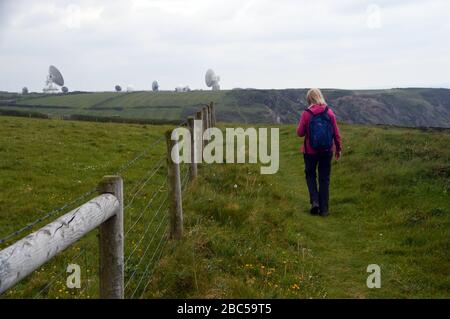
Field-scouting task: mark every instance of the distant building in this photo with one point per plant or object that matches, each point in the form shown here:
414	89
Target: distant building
183	88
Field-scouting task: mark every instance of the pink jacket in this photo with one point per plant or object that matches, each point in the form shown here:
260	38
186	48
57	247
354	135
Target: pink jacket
302	129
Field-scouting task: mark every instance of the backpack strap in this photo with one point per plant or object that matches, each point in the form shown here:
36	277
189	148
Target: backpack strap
325	111
312	113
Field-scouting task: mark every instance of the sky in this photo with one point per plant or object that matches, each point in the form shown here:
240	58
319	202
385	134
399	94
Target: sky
348	44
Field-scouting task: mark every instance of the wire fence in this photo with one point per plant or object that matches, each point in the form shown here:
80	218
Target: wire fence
45	217
65	207
146	225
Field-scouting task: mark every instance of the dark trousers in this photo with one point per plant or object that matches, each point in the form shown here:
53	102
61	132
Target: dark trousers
322	161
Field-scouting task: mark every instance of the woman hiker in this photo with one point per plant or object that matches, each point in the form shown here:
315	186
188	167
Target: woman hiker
319	127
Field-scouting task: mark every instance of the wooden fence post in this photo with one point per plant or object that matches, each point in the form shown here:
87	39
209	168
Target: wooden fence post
213	114
205	122
111	243
193	165
174	182
210	115
205	118
199	116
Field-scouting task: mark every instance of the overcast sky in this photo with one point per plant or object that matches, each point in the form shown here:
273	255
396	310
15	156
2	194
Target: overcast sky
249	43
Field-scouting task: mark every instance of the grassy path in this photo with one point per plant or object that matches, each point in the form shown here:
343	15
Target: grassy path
390	206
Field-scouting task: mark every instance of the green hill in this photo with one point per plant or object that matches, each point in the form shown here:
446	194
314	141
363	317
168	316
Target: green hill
246	234
400	107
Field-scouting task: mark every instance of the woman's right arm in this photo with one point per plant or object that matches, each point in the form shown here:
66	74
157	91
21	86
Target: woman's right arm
337	136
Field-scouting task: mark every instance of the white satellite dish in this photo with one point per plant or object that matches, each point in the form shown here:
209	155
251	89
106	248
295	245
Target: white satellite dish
212	80
54	79
155	86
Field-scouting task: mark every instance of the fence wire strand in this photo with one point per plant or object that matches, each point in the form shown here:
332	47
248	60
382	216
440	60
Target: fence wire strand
155	193
47	216
185	180
50	284
148	265
144	183
154	267
127	165
122	169
146	250
146	230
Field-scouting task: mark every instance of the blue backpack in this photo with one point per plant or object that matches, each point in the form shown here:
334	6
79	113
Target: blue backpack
321	131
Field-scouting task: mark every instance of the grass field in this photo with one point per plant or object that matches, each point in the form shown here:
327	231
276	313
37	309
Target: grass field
246	234
83	100
419	107
168	106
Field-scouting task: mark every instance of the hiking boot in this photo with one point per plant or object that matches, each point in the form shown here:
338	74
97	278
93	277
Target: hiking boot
314	209
324	214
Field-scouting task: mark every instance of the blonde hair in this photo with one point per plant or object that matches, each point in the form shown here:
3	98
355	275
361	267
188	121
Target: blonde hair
315	96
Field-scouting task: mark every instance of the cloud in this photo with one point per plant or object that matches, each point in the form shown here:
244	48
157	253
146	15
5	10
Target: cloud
250	43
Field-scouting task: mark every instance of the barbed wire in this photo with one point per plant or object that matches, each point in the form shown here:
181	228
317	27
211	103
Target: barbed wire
48	285
155	193
154	267
146	231
151	174
46	216
148	264
127	165
139	183
122	169
146	250
185	180
148	173
89	282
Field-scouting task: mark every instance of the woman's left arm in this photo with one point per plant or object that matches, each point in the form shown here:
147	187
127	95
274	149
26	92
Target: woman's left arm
301	128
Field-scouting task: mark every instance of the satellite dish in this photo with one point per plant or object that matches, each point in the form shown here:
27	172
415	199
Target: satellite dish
118	88
24	90
155	86
212	80
64	89
53	77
